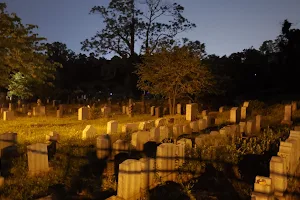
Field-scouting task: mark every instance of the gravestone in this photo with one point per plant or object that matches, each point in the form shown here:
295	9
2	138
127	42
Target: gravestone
165	161
130	127
294	106
152	110
243	113
179	109
8	115
180	154
155	134
147	173
221	109
234	115
287	115
158	112
138	139
39	111
37	158
120	146
177	130
83	113
53	136
129	179
191	111
194	126
278	174
187	129
103	145
160	122
257	123
7	140
112	127
204	113
89	132
202	124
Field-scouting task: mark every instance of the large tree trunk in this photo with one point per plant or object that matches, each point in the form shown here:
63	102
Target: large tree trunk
132	30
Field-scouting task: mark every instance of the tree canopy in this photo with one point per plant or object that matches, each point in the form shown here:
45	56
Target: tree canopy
173	74
129	21
22	52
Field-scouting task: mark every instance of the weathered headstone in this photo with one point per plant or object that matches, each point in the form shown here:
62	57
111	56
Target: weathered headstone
83	113
147	173
8	115
152	110
158	112
155	134
103	146
177	130
37	158
129	179
165	161
234	115
179	109
294	106
112	127
278	174
138	139
194	126
287	115
221	109
191	111
243	113
89	132
7	140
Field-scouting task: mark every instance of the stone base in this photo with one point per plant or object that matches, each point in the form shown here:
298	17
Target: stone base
287	122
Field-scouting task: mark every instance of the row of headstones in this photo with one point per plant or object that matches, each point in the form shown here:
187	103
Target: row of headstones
84	112
282	167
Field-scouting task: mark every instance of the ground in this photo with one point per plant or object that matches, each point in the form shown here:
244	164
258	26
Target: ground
76	172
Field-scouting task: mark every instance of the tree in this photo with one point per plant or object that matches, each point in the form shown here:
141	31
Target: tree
174	74
125	24
22	51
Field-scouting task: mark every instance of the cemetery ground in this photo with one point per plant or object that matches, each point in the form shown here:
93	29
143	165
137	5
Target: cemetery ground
221	168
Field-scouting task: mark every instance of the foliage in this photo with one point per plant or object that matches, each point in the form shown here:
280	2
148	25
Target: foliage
22	50
174	74
126	24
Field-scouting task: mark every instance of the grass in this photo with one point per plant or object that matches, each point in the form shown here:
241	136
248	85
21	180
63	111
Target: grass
75	160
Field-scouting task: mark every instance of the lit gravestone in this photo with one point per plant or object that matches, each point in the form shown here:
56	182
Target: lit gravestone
165	161
263	188
83	113
179	109
294	106
112	127
129	179
160	122
243	113
257	123
8	115
147	173
187	129
138	139
89	132
278	174
234	115
152	110
191	111
202	124
130	127
221	109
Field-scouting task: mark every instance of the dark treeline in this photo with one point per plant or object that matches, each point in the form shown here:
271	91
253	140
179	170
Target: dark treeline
252	73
